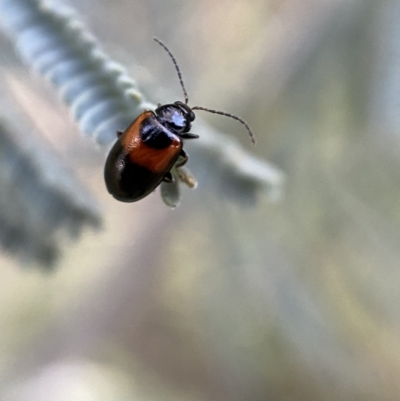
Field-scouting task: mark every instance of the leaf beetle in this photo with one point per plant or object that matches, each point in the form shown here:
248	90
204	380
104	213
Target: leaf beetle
145	152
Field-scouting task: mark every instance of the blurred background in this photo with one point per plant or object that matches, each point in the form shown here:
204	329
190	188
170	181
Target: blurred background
215	300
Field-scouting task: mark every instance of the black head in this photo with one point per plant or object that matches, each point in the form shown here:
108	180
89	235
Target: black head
177	116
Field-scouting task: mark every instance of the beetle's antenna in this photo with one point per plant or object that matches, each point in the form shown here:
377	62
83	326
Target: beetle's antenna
222	113
176	67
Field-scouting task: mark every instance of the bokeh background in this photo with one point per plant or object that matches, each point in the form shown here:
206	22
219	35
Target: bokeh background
216	300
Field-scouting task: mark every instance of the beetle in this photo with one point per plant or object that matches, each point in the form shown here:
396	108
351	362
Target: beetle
151	145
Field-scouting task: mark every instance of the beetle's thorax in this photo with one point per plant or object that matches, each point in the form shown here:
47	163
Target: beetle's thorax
177	116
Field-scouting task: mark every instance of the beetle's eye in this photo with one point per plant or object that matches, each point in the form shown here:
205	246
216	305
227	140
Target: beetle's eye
192	116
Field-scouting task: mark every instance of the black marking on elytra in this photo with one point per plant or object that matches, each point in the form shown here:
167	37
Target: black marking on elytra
127	181
141	176
154	135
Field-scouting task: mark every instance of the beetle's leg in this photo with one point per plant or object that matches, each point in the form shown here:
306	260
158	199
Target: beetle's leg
185	159
189	135
168	177
119	133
